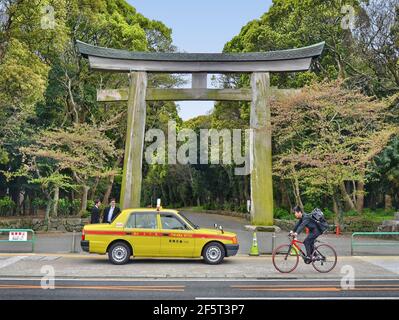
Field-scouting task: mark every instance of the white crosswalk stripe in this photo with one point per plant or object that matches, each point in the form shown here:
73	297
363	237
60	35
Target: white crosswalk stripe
10	261
390	264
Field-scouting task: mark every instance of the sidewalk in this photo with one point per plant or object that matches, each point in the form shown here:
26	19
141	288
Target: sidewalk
239	267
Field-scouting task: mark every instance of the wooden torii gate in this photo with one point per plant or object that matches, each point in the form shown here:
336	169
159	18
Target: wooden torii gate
259	65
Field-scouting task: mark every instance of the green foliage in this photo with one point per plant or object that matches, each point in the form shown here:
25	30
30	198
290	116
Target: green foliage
90	205
308	207
7	206
351	213
75	205
63	207
328	214
379	213
85	215
385	166
39	203
51	127
283	214
292	23
3	157
67	207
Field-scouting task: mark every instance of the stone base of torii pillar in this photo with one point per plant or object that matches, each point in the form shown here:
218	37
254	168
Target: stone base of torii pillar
273	229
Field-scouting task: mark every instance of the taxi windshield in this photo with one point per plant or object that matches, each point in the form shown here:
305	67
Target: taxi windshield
194	226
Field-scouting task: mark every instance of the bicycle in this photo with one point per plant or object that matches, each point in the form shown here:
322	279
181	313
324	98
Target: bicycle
324	257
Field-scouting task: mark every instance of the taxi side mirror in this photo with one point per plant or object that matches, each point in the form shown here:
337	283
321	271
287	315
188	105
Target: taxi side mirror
215	225
221	229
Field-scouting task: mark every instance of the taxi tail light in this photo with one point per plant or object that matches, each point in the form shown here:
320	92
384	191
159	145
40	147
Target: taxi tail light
235	240
83	235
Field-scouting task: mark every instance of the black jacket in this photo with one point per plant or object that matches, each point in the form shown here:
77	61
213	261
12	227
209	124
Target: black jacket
308	222
116	212
95	215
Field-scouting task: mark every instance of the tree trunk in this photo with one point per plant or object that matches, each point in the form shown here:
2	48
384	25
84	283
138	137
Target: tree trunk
31	209
341	67
48	210
20	202
246	188
285	199
83	206
360	196
163	193
297	194
111	180
388	202
94	189
109	189
56	197
354	191
24	206
348	201
335	209
338	220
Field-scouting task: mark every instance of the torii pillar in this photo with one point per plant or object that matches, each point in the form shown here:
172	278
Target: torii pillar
132	165
261	151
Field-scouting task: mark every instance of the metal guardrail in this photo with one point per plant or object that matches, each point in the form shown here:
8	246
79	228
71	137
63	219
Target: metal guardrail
32	241
370	244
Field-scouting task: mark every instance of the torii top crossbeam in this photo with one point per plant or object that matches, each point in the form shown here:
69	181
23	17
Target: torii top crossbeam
108	59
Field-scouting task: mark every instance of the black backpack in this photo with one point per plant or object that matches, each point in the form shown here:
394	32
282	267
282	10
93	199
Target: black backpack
318	217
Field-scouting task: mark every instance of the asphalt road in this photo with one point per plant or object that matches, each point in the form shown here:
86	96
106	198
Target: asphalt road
197	289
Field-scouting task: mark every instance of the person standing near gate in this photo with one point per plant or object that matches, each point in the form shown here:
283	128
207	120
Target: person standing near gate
95	212
111	212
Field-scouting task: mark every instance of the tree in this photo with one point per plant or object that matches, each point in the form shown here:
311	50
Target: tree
46	86
82	150
327	135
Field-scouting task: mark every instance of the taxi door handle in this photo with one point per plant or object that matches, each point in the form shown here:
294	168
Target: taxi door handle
165	234
128	233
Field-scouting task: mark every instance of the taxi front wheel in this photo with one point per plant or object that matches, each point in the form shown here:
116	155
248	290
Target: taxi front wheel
119	253
213	253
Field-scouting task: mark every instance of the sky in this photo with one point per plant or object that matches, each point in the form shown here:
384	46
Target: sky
201	26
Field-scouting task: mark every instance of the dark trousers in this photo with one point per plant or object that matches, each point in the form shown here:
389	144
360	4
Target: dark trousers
309	241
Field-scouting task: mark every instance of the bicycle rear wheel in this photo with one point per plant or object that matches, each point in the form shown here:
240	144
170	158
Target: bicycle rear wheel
324	258
285	258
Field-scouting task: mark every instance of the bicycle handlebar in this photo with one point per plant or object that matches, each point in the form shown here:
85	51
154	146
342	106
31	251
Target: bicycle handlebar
291	236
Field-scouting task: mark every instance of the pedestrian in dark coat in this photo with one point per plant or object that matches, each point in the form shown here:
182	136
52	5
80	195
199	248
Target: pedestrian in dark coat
95	212
111	212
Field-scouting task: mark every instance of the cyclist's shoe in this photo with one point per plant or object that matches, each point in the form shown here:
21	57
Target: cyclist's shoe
318	257
308	260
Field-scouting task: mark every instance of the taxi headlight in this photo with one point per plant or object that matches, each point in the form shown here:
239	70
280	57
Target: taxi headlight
235	240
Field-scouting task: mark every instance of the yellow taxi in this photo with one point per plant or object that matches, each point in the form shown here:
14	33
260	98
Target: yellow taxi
157	233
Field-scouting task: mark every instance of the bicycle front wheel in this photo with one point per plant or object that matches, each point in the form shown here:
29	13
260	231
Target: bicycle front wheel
324	258
285	258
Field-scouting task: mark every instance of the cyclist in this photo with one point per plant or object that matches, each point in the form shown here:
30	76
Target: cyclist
306	220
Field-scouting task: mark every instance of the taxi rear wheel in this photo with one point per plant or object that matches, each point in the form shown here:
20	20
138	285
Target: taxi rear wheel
119	253
213	253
